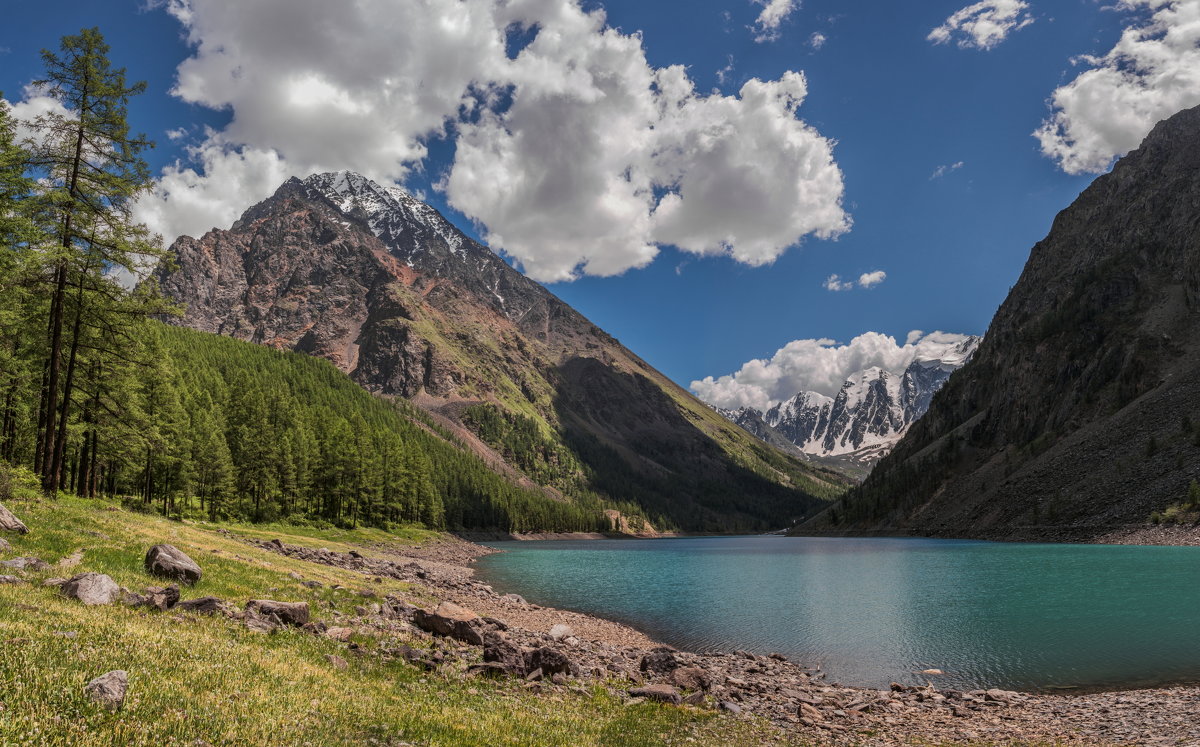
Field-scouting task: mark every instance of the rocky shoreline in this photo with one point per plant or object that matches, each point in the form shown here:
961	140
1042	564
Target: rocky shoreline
456	625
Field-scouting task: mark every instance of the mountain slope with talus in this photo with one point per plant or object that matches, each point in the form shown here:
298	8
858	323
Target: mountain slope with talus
396	296
1075	416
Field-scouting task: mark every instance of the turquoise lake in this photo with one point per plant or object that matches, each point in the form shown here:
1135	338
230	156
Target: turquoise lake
874	611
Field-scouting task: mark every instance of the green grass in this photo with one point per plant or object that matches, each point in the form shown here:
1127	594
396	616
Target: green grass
207	678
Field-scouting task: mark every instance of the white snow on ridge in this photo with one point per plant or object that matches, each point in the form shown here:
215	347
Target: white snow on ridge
873	409
389	210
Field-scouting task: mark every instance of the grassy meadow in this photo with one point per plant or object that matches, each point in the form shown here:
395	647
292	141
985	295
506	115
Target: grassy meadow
197	680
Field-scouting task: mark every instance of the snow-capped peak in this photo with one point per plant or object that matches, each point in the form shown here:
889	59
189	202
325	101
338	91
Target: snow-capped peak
872	410
389	211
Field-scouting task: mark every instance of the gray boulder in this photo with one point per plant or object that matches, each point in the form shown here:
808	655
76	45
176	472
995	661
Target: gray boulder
109	689
10	522
92	589
11	580
168	561
289	613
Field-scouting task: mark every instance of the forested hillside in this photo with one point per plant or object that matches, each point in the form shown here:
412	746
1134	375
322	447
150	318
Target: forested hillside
100	399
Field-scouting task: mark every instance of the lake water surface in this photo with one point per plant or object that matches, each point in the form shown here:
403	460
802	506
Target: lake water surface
873	611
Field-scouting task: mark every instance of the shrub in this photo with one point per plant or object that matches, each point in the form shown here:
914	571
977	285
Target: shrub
18	484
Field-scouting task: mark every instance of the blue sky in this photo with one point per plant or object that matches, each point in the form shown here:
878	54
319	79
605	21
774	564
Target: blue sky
945	184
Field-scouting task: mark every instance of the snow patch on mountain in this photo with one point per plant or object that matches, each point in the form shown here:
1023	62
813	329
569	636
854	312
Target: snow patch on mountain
389	211
870	413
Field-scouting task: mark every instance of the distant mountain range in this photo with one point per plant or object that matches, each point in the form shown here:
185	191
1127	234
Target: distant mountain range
870	413
1078	415
381	284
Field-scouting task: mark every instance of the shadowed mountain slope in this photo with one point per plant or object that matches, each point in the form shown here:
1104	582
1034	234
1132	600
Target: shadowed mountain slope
1075	415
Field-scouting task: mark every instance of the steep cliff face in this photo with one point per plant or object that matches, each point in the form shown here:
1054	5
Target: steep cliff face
1073	416
382	285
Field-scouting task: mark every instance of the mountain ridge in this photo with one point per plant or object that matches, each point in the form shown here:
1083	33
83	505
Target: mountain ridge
1073	417
382	285
871	412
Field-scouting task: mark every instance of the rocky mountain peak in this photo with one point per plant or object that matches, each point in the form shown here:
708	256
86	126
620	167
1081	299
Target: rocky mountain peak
871	412
366	275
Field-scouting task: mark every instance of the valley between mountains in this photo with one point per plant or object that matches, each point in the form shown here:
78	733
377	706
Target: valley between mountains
239	473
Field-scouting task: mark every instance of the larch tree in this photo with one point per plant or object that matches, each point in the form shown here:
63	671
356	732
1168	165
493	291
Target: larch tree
93	170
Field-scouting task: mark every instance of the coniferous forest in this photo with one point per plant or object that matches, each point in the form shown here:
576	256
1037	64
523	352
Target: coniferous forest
100	398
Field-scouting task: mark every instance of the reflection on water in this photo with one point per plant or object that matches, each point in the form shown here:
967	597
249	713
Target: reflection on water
873	611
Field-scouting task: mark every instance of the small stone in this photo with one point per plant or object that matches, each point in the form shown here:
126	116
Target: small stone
92	589
339	634
202	605
290	613
514	599
54	581
691	678
1000	696
161	598
552	661
4	546
168	561
336	661
109	689
695	699
659	661
11	580
661	693
25	564
932	671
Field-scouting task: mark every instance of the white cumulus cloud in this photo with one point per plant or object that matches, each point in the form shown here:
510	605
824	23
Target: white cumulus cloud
817	365
984	24
573	155
774	13
866	280
1152	72
871	279
835	283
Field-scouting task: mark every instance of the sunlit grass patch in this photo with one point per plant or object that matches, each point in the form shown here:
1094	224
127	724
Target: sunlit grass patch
194	677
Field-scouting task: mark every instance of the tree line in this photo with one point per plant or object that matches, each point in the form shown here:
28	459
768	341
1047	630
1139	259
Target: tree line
99	398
